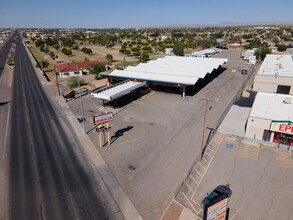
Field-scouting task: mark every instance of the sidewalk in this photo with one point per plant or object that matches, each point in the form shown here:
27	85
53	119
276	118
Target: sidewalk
177	211
103	172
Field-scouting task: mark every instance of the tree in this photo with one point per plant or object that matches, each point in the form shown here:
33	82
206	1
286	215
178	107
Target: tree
86	50
44	64
178	49
66	51
282	47
109	57
145	57
72	82
127	52
96	69
262	52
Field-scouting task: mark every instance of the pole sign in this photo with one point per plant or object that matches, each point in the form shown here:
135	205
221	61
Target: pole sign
215	205
218	210
101	119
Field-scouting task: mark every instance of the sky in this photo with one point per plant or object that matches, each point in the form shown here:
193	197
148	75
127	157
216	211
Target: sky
140	13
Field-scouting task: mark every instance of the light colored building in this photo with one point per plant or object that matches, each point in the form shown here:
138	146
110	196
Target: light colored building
271	118
74	69
171	71
275	75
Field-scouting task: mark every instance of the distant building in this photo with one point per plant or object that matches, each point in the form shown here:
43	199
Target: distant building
74	69
275	75
168	51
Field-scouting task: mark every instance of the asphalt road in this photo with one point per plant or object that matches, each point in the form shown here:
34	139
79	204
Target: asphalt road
49	176
4	53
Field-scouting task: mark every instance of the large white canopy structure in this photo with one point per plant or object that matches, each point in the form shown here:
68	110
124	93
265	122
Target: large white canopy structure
117	90
182	71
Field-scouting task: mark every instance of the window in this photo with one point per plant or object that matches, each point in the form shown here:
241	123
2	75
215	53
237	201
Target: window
283	89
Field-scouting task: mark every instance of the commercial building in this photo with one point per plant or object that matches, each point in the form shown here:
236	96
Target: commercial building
171	71
275	75
271	118
74	69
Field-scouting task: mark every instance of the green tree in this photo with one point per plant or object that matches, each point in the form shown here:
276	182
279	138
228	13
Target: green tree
282	47
145	57
96	69
44	64
109	58
262	52
72	82
127	52
66	51
178	49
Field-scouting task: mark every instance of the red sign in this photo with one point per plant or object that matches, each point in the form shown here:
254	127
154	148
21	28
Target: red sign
103	118
282	128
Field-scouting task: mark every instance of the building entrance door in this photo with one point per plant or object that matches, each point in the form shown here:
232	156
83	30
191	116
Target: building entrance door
283	139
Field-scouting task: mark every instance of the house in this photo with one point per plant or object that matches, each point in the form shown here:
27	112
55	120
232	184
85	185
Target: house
74	69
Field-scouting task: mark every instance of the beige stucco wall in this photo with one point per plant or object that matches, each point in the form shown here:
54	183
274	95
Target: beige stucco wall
256	126
269	84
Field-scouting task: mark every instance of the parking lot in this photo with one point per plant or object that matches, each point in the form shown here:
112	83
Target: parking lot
260	177
156	138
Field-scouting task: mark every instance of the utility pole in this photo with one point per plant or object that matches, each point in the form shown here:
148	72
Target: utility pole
80	97
206	101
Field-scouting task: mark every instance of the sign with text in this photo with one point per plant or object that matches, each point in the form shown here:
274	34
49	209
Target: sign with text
218	210
282	127
103	118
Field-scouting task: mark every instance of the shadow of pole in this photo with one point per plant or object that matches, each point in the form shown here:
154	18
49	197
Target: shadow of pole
120	133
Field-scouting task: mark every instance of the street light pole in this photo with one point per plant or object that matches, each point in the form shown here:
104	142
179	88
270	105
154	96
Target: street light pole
57	82
81	103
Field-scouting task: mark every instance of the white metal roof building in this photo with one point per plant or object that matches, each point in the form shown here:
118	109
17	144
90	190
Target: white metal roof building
117	90
271	118
275	75
171	70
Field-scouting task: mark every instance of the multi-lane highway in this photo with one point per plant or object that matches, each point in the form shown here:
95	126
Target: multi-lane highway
49	176
4	53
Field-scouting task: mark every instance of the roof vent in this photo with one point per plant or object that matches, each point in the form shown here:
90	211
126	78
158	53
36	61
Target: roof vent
288	100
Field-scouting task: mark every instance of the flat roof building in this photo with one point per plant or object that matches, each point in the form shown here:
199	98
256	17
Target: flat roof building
171	70
275	75
271	118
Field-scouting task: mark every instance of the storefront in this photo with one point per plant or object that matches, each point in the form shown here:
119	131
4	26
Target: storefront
271	119
282	132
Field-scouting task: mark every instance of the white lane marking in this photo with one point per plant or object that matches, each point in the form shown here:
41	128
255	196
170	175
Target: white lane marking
6	133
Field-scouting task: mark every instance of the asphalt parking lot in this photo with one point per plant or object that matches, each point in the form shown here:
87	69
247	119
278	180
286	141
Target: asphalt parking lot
260	177
158	136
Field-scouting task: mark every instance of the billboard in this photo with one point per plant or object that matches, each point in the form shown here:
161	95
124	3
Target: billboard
103	118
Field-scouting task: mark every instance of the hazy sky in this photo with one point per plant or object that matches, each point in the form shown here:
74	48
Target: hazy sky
140	13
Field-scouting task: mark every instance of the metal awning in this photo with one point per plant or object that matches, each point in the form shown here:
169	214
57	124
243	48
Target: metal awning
117	90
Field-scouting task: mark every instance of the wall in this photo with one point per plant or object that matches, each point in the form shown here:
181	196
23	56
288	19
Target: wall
269	84
256	127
